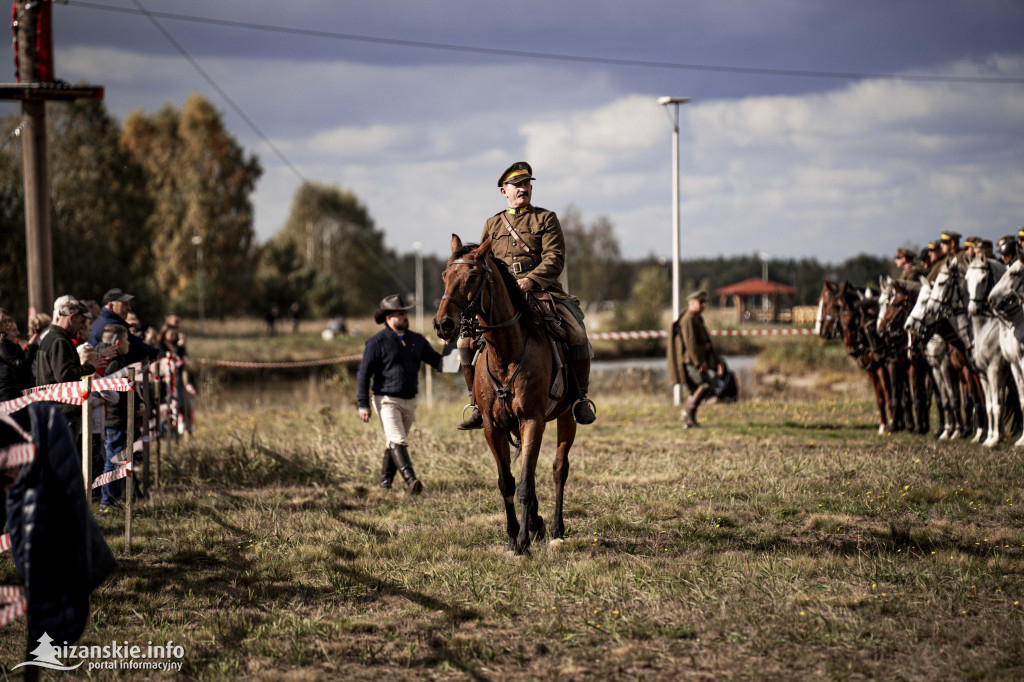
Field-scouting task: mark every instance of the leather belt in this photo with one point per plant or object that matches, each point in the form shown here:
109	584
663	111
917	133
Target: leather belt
519	267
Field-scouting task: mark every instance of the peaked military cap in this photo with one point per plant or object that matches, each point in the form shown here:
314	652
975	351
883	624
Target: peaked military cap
950	236
1020	232
984	244
699	296
973	241
932	245
516	173
906	253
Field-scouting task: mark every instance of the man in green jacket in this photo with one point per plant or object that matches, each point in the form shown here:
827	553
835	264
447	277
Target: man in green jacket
701	363
529	241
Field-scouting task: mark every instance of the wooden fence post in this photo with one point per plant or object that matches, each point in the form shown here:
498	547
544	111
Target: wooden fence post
129	480
147	403
87	439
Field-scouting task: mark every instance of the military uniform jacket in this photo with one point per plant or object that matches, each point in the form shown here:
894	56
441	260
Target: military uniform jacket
912	274
960	257
541	232
697	348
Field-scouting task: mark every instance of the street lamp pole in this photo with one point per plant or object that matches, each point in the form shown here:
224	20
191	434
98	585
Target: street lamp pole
673	113
198	241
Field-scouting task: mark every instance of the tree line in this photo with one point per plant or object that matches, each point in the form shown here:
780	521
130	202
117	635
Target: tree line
130	200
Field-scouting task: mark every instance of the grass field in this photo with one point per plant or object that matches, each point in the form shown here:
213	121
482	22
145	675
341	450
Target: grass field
784	540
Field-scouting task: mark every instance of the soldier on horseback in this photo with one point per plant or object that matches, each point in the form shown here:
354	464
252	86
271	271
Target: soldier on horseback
529	241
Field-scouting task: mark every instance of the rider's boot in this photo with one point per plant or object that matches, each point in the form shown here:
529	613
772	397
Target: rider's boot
692	403
387	469
475	420
400	453
583	411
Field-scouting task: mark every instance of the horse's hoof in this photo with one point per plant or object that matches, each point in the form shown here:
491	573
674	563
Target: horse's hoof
881	428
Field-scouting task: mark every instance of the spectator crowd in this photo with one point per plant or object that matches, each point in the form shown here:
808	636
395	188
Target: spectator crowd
81	338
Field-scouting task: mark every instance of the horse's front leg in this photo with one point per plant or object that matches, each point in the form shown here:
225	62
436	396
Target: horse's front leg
530	523
566	437
498	442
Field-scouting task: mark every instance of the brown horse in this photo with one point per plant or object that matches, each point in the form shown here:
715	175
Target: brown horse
520	382
858	329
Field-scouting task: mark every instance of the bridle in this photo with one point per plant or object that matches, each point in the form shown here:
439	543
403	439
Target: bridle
472	309
980	297
470	325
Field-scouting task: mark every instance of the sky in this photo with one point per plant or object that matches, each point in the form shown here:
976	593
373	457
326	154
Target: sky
799	139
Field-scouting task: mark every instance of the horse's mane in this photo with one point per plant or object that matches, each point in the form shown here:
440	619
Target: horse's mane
515	294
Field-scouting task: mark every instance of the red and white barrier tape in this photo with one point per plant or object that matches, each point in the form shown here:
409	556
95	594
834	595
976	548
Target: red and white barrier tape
14	610
69	393
662	334
122	471
8	593
5	542
17	455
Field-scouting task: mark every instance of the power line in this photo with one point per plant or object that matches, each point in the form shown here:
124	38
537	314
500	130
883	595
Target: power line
551	56
252	124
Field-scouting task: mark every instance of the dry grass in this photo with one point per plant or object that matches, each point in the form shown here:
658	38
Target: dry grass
784	540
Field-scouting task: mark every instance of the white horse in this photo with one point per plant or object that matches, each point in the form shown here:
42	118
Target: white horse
992	365
918	325
1006	304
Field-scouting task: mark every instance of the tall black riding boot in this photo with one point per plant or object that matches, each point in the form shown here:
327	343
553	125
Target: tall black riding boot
387	469
475	420
400	453
692	403
583	411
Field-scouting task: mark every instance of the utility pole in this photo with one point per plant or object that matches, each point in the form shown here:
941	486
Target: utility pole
35	85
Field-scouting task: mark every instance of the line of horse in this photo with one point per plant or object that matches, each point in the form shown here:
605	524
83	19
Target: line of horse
959	338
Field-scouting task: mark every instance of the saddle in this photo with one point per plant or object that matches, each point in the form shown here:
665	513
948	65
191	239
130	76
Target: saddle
543	304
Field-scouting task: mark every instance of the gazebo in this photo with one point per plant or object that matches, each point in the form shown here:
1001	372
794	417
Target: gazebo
746	293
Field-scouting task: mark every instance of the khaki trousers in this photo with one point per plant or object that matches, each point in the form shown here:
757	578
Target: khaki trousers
396	416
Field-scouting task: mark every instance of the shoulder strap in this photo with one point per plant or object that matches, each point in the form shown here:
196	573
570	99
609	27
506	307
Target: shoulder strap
515	235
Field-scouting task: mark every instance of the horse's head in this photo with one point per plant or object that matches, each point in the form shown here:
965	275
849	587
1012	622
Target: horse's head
465	277
1005	295
916	317
982	274
884	298
826	323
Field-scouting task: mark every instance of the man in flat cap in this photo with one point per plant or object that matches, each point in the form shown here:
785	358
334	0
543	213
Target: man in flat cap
909	270
695	354
116	306
391	359
529	241
57	361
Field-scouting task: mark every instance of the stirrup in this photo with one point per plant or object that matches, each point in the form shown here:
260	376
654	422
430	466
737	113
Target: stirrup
584	411
471	424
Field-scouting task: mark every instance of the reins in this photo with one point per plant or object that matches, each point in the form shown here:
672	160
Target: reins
469	321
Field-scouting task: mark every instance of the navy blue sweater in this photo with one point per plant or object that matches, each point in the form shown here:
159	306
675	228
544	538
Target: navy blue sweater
394	364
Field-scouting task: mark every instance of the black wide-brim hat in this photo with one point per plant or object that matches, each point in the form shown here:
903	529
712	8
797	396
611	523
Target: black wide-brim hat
390	304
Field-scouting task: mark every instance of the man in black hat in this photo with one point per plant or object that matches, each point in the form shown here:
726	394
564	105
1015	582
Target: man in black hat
701	364
529	241
116	306
392	360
